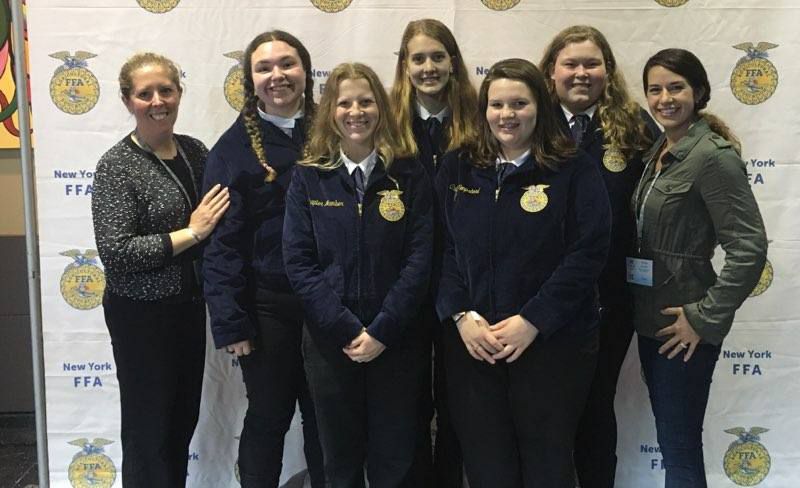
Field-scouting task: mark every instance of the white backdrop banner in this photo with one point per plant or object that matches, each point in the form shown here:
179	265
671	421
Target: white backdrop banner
78	46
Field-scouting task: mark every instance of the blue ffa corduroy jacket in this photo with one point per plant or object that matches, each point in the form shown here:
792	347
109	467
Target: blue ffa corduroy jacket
244	251
612	283
430	152
353	271
533	246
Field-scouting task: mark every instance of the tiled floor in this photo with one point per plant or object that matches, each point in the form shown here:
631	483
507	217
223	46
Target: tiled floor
18	451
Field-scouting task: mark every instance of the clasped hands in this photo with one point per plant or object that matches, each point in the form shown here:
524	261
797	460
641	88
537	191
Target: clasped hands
364	348
506	339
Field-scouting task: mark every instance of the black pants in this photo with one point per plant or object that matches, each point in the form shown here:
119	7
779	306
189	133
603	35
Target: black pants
275	381
516	422
596	441
368	413
159	351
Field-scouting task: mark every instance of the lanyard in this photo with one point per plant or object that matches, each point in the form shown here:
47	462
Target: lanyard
150	151
639	208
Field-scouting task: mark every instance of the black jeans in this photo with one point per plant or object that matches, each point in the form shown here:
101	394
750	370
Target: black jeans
159	352
368	413
596	441
517	421
679	395
275	381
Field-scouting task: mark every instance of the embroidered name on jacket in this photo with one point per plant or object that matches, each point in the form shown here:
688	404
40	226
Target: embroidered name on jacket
464	189
326	203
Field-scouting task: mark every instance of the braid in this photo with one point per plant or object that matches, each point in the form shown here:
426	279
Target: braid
310	108
252	125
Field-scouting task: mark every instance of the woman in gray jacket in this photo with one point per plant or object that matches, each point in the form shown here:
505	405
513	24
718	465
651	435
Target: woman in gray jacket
693	195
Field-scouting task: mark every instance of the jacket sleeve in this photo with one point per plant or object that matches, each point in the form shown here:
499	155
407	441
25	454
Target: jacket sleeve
225	258
323	308
402	302
452	294
740	231
115	213
587	236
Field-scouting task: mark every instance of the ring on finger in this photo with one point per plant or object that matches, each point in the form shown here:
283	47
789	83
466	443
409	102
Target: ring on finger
683	345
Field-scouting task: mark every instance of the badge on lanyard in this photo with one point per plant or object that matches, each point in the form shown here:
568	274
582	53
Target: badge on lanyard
534	199
639	271
614	160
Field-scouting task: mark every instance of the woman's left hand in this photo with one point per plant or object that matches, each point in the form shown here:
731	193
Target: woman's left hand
684	336
516	334
364	348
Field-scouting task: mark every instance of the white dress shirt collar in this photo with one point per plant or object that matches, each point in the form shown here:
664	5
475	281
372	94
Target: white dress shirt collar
366	165
424	114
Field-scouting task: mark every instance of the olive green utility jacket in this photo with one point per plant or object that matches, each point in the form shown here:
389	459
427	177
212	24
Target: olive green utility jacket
701	198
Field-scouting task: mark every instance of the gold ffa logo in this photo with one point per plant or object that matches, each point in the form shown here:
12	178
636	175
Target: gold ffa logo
746	461
500	4
234	82
671	3
83	282
73	88
158	6
754	79
90	467
391	207
534	199
614	160
331	6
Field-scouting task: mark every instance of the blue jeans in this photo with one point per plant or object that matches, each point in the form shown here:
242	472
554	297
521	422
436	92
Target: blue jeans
679	395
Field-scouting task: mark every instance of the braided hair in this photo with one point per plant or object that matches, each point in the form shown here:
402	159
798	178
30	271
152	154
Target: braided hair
250	117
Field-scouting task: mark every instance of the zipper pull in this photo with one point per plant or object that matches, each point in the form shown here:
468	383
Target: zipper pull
359	210
435	162
497	194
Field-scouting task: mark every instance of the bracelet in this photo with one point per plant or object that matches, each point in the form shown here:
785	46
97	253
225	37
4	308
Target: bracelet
458	316
194	234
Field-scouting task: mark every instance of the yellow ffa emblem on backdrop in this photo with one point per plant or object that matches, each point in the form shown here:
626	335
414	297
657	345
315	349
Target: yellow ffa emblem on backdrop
500	4
614	160
671	3
83	282
73	88
331	6
234	87
534	199
764	281
391	207
90	467
754	79
158	6
746	461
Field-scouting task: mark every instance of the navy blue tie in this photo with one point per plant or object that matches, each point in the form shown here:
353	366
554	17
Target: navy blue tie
579	124
503	169
358	180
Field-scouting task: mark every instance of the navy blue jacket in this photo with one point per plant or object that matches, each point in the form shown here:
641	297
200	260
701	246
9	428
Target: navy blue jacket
244	251
430	151
353	271
620	185
501	260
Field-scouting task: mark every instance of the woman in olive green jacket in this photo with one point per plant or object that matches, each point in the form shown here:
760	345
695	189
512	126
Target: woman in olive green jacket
693	195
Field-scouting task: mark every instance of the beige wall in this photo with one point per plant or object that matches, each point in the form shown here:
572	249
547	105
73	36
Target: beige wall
12	217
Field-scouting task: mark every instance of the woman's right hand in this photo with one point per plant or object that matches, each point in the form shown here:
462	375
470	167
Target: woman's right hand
478	339
209	211
242	348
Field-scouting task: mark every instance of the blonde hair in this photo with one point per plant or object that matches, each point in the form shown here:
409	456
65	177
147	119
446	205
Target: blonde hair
141	60
322	150
620	117
460	94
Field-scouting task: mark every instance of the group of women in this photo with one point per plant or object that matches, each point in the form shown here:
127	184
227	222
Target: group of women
525	230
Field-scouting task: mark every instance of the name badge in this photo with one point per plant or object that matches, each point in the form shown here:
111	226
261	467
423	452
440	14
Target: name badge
639	271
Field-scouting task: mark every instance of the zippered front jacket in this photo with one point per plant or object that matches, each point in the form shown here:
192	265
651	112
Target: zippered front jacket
701	198
533	246
363	266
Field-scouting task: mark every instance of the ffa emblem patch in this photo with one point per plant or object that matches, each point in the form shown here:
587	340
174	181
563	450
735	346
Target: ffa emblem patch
233	87
331	6
754	79
83	282
158	6
746	461
500	4
73	88
391	207
614	160
90	467
534	199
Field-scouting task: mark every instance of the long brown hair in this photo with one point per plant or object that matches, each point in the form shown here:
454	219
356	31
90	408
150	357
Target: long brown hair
686	64
549	145
250	115
322	150
460	94
620	116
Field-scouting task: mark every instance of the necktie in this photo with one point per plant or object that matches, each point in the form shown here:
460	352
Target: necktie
434	128
503	169
358	180
579	124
